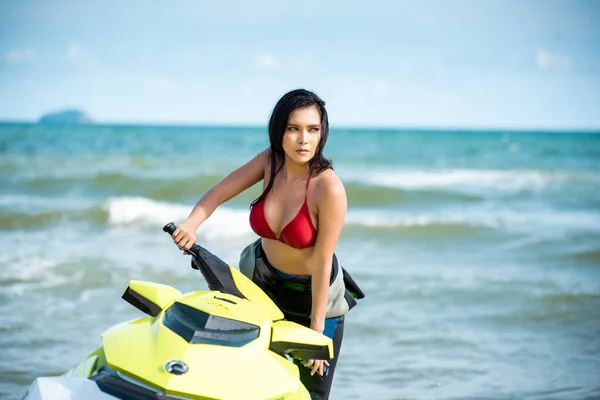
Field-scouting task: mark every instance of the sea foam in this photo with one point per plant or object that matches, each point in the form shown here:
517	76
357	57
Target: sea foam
546	223
460	180
224	223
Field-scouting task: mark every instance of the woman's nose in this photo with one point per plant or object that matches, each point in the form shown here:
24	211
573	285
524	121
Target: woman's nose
302	137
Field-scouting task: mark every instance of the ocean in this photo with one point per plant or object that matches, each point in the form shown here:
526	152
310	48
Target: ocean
479	251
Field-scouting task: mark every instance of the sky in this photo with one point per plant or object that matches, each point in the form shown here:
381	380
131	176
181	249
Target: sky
497	64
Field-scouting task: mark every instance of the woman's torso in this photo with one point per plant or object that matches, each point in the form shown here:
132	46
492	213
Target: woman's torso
282	205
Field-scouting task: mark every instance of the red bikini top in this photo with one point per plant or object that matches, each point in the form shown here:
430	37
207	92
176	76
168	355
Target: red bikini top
300	233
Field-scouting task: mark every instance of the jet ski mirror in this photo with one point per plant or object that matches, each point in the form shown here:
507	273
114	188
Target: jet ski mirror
150	298
287	339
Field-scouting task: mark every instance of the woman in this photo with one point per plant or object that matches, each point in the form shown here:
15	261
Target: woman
299	217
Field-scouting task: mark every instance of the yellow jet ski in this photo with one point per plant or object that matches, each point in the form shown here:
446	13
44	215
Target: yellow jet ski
229	342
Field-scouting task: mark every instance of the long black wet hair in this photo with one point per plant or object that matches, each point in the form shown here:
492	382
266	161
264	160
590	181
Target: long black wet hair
278	124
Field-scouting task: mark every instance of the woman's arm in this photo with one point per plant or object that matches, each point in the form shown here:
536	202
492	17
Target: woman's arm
332	207
232	185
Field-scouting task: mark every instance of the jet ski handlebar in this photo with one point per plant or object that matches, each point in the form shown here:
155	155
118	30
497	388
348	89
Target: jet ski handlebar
216	272
194	250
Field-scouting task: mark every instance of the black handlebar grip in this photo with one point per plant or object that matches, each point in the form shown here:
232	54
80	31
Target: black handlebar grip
170	229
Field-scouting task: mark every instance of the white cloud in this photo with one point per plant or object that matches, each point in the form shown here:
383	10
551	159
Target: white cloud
267	61
300	67
80	54
160	84
381	87
19	56
75	51
448	104
352	91
547	60
270	61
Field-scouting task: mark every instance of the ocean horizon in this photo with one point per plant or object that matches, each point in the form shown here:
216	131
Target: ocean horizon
335	126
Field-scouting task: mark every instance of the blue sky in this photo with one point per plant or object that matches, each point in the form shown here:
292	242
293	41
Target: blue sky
472	64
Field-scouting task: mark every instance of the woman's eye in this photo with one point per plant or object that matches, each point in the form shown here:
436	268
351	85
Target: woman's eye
292	128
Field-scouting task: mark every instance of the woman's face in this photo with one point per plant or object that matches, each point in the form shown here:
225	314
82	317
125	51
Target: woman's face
302	134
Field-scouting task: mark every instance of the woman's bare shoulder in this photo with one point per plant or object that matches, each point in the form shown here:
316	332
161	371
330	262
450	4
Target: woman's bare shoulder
264	157
329	184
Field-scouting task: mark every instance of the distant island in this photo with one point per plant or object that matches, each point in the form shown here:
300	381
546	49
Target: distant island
67	117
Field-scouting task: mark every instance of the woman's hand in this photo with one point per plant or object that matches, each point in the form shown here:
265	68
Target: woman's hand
184	237
317	365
